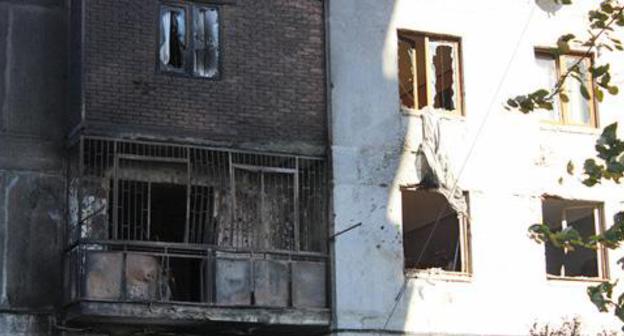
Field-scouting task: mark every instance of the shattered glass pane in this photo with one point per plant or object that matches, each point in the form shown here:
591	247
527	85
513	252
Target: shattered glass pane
172	37
406	73
444	80
206	42
579	110
547	79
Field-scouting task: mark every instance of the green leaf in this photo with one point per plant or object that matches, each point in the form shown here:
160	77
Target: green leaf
613	90
599	71
541	93
570	168
585	92
564	97
599	94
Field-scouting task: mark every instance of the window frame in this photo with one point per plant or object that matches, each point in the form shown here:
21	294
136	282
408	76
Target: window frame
560	68
602	259
411	35
465	244
188	70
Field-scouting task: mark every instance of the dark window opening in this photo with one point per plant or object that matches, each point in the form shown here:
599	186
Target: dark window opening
187	280
168	212
434	235
172	38
444	78
585	219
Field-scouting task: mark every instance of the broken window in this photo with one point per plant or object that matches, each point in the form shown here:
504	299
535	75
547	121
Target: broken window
585	218
575	110
429	72
434	235
197	56
206	38
172	37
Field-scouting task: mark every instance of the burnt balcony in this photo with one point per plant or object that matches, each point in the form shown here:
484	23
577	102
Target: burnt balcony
163	285
165	235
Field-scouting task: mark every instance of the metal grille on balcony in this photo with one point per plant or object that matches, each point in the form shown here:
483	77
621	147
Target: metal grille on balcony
137	191
167	223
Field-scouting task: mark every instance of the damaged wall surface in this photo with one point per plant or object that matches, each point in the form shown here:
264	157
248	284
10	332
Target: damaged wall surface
516	159
33	53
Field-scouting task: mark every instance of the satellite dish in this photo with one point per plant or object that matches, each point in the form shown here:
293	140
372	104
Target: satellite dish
548	6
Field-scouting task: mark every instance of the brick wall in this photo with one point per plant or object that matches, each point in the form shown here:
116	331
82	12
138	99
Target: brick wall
272	85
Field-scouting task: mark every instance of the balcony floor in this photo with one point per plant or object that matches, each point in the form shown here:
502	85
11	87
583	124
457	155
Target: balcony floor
255	320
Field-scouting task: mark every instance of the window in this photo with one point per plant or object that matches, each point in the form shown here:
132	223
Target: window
189	40
434	235
430	72
576	110
584	217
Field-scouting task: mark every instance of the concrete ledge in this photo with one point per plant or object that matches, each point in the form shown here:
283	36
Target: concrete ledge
196	316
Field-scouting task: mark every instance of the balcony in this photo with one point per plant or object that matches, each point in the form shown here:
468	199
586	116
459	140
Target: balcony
169	285
171	236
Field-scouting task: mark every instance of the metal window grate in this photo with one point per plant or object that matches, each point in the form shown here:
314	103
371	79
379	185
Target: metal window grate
236	199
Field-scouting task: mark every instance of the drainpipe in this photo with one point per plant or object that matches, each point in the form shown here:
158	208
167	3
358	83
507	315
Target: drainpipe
330	208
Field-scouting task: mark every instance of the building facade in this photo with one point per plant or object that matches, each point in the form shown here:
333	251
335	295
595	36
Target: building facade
295	167
437	184
164	167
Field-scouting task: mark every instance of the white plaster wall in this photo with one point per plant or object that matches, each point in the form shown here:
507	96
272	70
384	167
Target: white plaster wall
515	159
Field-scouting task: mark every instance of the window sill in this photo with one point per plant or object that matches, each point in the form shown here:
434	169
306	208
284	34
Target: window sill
576	279
442	114
438	275
577	129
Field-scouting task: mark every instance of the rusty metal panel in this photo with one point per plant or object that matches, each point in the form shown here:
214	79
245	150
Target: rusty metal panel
233	282
143	277
309	288
103	278
271	283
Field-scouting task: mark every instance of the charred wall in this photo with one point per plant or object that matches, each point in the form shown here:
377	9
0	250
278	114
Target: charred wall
270	93
33	53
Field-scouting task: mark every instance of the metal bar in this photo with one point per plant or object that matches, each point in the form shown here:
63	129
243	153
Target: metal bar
296	228
233	198
135	205
149	211
188	196
152	158
115	193
207	147
265	169
264	226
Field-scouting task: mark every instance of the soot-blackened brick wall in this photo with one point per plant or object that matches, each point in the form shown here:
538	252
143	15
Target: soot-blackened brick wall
272	85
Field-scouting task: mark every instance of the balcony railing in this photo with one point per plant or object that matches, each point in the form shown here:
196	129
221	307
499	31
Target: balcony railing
152	272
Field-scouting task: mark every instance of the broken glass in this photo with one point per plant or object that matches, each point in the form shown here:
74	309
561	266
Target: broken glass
547	79
406	73
444	80
206	41
579	110
172	37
